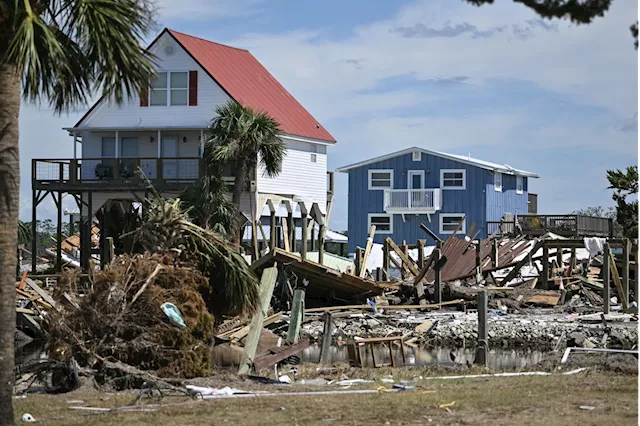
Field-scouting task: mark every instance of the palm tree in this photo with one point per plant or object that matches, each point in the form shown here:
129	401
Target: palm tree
62	52
244	138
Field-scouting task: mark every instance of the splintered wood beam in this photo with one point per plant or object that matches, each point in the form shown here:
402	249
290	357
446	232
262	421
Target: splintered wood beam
430	233
412	267
618	282
267	284
516	269
285	234
367	251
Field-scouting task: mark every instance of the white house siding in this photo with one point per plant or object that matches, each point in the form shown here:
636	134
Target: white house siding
300	177
131	114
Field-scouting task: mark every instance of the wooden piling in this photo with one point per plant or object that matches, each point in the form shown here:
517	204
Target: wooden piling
267	284
574	259
272	230
297	315
325	350
545	267
420	248
626	248
321	235
59	229
437	285
482	349
358	261
606	279
637	273
303	249
494	253
109	250
479	262
385	260
559	260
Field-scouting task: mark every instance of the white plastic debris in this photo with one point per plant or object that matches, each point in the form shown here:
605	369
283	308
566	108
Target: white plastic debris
284	379
27	418
225	391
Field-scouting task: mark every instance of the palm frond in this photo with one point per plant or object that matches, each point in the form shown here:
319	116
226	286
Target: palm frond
167	227
68	49
24	233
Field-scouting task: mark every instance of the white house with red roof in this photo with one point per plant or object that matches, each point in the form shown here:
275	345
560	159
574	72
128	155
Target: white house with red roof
162	132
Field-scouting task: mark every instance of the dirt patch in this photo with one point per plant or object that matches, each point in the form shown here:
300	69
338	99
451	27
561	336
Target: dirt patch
602	362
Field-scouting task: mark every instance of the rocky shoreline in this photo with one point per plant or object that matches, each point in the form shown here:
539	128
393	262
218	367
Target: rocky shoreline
540	331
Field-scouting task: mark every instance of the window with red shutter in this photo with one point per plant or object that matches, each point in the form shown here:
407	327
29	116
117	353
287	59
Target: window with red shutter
193	88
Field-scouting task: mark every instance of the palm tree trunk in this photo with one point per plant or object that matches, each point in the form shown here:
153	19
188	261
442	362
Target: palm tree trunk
238	186
9	206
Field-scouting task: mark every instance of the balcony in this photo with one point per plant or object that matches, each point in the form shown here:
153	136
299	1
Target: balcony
114	174
417	201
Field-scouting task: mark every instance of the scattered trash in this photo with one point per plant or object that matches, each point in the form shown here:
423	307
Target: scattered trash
587	407
173	313
447	406
27	418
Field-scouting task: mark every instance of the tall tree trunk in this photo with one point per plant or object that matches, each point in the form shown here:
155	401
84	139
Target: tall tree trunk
9	205
238	187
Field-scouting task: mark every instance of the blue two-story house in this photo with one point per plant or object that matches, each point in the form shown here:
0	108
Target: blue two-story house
399	191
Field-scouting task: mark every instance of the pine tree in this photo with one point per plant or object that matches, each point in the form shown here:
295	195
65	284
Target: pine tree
625	183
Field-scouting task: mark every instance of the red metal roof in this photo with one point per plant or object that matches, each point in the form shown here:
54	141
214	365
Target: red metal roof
249	83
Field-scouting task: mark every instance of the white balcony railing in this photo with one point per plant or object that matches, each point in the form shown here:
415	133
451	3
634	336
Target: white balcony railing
412	200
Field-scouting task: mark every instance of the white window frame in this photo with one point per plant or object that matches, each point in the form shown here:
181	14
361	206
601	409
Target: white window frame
463	228
519	184
314	158
378	231
416	156
168	89
497	181
381	188
464	179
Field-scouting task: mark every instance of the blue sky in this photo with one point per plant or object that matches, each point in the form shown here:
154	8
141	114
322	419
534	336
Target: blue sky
496	82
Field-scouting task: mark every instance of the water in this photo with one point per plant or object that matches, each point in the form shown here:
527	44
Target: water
499	359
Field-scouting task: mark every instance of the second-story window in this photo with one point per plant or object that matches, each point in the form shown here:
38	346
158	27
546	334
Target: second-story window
380	179
158	92
453	178
519	185
169	88
179	88
497	181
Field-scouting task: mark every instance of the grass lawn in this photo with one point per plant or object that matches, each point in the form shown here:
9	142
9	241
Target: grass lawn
550	400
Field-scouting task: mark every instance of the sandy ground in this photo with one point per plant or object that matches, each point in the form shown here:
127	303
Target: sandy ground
610	387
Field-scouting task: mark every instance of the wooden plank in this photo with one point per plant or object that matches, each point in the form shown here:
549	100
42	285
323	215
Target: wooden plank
516	269
267	284
388	308
430	233
45	296
405	259
283	352
616	279
240	334
23	279
367	251
285	233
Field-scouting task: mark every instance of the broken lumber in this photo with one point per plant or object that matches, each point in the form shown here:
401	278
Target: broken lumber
45	296
367	251
279	353
616	279
403	257
390	308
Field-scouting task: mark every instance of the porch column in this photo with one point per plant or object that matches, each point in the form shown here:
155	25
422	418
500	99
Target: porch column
201	143
159	143
75	146
117	145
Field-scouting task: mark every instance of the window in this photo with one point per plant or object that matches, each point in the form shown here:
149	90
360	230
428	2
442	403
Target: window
450	221
179	88
497	181
158	93
416	156
453	178
169	88
383	223
380	179
314	158
519	185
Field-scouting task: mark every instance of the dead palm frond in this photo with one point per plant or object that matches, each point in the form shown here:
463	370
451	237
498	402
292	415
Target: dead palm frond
166	227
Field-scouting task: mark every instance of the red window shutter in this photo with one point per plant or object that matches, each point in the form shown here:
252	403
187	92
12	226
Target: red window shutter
193	88
144	97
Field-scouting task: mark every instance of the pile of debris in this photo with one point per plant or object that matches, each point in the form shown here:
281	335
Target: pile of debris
146	311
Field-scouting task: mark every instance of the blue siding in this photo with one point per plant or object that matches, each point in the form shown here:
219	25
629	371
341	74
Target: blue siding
507	201
362	201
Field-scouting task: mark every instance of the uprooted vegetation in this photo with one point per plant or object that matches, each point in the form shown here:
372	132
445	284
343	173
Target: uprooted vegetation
120	318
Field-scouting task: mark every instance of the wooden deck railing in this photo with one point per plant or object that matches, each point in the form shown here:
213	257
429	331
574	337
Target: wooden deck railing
116	171
571	225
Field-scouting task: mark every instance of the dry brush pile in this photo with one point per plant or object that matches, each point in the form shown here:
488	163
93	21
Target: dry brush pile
120	318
